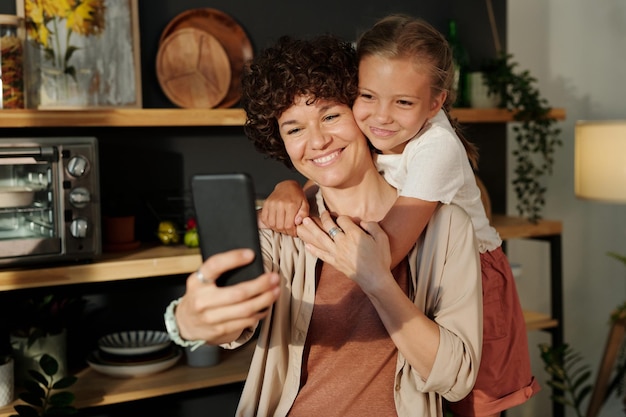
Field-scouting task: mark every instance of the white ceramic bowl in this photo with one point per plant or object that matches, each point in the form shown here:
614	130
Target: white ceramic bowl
136	342
133	370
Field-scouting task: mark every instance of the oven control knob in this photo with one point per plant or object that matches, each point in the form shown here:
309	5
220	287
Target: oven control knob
80	197
79	227
77	166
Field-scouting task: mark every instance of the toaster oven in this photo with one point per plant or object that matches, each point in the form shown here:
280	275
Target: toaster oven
49	199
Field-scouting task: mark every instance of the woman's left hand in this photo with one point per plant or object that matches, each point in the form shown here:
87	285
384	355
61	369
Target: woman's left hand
362	253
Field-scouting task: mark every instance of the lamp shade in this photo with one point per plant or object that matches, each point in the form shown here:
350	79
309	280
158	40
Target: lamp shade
600	160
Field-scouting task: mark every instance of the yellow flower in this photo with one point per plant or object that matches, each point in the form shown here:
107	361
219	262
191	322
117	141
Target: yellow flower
87	18
43	17
57	8
36	27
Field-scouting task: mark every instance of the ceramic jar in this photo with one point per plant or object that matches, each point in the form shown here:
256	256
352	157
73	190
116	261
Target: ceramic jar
205	355
6	380
479	97
27	357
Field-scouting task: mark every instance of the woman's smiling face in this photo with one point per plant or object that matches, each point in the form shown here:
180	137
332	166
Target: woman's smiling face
323	141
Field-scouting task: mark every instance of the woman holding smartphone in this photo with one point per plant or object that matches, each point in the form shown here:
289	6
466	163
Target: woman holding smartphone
342	334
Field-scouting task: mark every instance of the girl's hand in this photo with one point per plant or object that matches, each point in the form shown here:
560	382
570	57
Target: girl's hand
285	208
220	314
362	253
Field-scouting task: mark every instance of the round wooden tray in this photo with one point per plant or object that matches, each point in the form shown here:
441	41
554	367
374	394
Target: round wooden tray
228	32
193	69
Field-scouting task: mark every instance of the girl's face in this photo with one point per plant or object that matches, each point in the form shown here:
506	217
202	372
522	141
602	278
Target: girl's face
395	100
323	142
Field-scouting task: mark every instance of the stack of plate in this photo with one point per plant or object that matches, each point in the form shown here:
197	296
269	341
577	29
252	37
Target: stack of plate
134	353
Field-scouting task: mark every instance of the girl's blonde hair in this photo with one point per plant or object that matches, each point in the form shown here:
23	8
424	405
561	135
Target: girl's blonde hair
406	37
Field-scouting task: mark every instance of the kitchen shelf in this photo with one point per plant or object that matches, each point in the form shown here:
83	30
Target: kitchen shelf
539	321
510	227
151	261
148	261
188	117
95	389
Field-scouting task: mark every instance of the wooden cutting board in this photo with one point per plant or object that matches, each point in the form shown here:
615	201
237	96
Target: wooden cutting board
193	69
228	32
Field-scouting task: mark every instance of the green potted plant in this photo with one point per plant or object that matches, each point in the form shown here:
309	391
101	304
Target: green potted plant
39	325
570	374
44	393
536	133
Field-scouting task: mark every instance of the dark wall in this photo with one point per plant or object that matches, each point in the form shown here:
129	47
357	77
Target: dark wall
155	164
194	150
265	21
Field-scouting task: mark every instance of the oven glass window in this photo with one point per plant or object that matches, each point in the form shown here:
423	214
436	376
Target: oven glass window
27	207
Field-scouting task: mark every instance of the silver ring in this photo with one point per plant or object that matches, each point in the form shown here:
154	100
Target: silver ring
333	232
201	277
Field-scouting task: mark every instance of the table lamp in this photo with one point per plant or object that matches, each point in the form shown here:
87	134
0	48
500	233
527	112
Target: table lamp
600	174
600	160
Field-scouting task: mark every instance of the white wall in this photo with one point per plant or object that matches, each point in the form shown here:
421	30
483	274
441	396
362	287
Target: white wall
576	49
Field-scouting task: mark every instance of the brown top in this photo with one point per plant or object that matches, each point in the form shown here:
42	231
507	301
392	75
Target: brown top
349	359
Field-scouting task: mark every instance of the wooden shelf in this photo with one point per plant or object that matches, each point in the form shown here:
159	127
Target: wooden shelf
469	115
517	227
148	261
187	117
95	389
152	261
539	321
122	118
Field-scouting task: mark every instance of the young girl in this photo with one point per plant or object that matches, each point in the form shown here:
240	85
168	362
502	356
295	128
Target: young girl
405	93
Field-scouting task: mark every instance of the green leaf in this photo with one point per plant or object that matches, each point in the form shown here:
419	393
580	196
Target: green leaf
26	411
72	72
32	399
558	385
38	376
534	133
61	399
578	400
49	365
34	336
617	256
568	374
65	382
34	388
69	52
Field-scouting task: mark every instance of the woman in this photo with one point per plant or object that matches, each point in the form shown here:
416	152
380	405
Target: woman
344	335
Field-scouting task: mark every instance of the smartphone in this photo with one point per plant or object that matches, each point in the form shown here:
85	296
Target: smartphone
226	219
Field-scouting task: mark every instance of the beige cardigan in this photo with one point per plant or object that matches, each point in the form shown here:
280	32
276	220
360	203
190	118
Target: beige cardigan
447	263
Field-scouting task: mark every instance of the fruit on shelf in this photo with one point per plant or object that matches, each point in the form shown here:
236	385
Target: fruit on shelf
167	233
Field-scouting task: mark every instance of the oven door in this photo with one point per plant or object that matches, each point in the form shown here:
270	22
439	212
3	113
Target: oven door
30	222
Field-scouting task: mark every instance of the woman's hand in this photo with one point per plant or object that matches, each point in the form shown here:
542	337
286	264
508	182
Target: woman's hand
285	208
362	253
220	314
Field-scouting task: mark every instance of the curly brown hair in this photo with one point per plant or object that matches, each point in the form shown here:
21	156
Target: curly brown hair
323	67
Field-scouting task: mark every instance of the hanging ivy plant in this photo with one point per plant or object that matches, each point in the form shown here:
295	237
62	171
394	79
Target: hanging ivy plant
536	133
